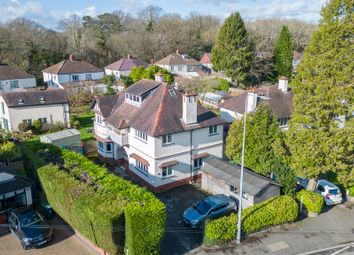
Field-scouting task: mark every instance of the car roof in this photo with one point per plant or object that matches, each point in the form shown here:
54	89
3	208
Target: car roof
19	211
217	199
328	184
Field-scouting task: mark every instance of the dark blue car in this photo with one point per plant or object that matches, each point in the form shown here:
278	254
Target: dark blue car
210	207
29	227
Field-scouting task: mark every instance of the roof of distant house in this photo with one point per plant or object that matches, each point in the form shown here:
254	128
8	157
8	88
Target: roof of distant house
126	64
253	183
280	103
9	181
105	104
35	97
176	59
159	114
206	58
11	72
70	66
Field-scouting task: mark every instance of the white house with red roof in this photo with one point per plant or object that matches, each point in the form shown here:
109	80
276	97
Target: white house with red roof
158	133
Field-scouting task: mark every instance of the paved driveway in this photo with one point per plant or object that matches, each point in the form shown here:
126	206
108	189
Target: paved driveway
179	238
64	243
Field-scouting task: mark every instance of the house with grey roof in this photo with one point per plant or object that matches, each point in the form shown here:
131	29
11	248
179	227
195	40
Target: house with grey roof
180	64
222	177
73	73
14	79
160	135
48	106
124	66
278	97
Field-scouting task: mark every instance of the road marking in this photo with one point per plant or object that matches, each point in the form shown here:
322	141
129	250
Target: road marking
278	246
327	249
341	250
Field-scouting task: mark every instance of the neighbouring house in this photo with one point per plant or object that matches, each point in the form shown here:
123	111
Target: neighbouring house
297	57
74	72
213	98
222	177
15	191
49	106
206	61
66	139
161	135
14	79
180	64
124	66
279	98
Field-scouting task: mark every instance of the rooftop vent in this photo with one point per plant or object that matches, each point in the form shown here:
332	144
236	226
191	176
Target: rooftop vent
20	100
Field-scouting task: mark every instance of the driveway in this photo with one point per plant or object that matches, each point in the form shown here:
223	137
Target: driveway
65	242
333	227
179	238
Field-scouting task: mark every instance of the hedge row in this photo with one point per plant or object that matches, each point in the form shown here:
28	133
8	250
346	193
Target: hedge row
312	201
275	211
116	205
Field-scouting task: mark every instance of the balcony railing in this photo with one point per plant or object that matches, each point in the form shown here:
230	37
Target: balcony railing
118	137
100	130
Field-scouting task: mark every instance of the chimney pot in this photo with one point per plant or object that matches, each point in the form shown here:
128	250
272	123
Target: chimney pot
190	107
177	51
251	101
283	84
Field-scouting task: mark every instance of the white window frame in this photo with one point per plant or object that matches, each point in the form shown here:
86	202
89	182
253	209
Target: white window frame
98	119
88	76
167	139
199	163
213	130
168	171
14	84
75	75
29	121
141	135
100	145
43	120
141	167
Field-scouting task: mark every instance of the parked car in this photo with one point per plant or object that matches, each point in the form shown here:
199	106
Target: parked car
330	192
210	207
29	227
301	183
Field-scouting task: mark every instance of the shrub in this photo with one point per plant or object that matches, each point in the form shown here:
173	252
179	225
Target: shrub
76	124
312	201
37	125
24	126
351	191
126	80
224	85
275	211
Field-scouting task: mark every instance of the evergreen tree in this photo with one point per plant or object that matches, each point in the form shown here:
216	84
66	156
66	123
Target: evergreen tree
283	53
321	133
262	133
109	80
232	52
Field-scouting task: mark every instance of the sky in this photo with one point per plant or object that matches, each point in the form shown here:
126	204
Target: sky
50	12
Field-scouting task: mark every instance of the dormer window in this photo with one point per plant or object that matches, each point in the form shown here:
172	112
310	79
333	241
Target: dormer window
20	100
132	98
41	99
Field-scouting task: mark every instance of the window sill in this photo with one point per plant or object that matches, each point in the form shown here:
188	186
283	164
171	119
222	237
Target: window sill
167	144
168	177
141	140
197	168
213	134
141	171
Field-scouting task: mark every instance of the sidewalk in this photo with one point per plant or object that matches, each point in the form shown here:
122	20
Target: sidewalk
334	227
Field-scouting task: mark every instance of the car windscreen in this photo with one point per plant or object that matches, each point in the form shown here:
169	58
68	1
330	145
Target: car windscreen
29	218
333	191
202	207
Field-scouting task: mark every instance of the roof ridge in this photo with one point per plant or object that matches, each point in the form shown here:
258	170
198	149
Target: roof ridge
159	110
61	66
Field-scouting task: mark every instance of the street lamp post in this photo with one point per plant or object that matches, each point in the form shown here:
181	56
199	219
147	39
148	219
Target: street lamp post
238	237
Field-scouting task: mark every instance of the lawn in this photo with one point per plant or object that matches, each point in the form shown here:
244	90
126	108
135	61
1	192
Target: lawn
86	122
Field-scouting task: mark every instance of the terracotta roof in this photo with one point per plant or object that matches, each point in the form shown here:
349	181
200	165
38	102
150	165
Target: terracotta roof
143	86
206	58
35	97
72	66
11	72
125	64
159	114
176	59
280	103
168	163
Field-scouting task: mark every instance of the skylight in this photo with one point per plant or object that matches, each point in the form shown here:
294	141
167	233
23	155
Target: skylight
172	92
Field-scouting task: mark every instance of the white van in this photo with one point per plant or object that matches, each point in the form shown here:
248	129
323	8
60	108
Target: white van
330	192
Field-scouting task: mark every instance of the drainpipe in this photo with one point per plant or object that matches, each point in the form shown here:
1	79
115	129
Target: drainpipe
191	153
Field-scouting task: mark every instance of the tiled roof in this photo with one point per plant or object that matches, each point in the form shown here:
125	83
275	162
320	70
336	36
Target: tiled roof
143	86
9	181
206	58
11	72
176	59
72	66
35	97
125	64
280	103
105	104
159	114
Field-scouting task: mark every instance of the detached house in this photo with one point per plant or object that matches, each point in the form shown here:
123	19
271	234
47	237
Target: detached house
162	135
180	64
279	98
124	66
206	60
48	106
74	75
14	79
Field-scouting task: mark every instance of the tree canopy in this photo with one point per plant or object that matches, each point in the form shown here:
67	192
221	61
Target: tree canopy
8	150
283	53
109	80
140	72
321	133
232	52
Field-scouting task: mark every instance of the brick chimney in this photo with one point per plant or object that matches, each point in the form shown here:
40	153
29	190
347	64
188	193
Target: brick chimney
189	115
159	77
72	57
283	84
251	103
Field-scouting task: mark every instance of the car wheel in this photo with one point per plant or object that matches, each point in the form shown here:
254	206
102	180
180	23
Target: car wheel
24	246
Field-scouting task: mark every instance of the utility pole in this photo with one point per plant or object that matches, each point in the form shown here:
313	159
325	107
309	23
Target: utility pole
238	237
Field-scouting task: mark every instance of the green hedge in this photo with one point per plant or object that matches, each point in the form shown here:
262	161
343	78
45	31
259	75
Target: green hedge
117	204
351	191
312	201
275	211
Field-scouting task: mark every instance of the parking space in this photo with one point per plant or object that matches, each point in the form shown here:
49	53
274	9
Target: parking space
179	238
65	242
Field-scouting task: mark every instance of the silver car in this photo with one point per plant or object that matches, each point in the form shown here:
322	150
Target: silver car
210	207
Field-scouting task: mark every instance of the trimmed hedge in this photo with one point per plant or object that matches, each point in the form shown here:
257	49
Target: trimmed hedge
312	201
351	191
275	211
108	210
